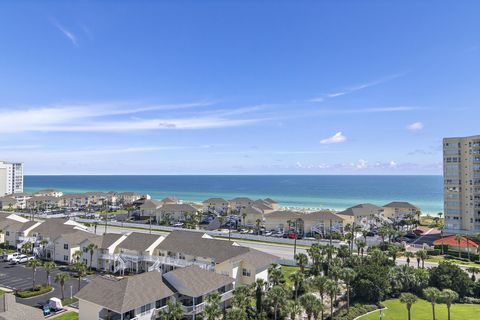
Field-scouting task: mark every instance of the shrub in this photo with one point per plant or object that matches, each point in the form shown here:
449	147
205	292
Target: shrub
356	310
471	300
32	292
434	252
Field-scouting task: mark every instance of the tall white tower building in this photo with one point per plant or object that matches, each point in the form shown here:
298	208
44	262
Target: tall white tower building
461	174
11	177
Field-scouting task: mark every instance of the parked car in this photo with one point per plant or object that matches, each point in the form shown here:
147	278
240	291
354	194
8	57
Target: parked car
10	256
25	259
17	258
268	233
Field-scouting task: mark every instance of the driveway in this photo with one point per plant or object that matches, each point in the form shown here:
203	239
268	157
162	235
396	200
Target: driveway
20	277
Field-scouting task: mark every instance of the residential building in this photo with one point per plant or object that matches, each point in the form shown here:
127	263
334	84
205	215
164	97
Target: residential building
149	208
144	296
105	246
250	215
218	206
7	203
66	245
464	245
461	174
16	229
128	197
175	212
49	192
11	178
138	297
365	215
169	200
43	202
399	210
237	204
11	310
274	204
73	200
307	223
192	285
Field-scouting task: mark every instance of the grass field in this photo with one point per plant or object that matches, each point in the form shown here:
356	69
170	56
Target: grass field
67	316
459	262
422	310
287	271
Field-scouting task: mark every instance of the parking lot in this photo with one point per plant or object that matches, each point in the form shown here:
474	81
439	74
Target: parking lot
19	277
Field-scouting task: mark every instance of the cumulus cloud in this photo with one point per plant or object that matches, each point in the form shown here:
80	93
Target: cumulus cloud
336	138
415	127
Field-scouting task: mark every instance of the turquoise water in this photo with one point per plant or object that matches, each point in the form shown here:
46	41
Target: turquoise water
335	192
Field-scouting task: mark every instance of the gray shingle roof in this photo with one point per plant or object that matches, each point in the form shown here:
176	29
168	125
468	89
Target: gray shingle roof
400	204
122	295
215	200
194	282
363	209
258	259
77	237
137	241
306	216
11	310
193	243
177	207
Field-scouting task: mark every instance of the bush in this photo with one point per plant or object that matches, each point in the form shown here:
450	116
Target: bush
32	292
356	310
434	252
471	300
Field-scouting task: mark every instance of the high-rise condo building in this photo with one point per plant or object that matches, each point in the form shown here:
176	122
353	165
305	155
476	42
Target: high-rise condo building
461	174
11	177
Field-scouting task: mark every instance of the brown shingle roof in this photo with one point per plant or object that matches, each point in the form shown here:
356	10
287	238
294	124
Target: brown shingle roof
122	295
400	204
194	282
363	209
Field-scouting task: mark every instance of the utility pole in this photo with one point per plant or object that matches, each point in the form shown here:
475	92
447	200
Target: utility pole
295	240
330	231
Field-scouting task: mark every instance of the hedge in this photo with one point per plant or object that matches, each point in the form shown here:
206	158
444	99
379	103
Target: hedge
356	310
38	290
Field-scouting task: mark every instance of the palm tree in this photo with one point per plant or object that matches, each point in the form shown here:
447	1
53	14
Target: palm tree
259	287
408	255
319	284
277	297
449	297
27	247
432	294
348	275
173	311
257	224
34	264
409	299
302	261
459	238
76	256
241	298
422	255
275	274
473	271
297	279
244	216
361	246
383	232
81	270
49	266
333	289
43	243
61	278
95	224
308	302
212	310
293	309
393	252
91	249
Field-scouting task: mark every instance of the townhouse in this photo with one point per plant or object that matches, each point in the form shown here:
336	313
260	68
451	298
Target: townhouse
399	210
48	192
307	223
15	230
149	207
21	199
175	212
73	200
104	250
218	206
239	203
43	202
365	215
274	204
8	203
145	296
66	245
127	197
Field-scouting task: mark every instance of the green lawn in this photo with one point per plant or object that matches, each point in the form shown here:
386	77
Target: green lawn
287	271
459	262
67	316
113	212
422	310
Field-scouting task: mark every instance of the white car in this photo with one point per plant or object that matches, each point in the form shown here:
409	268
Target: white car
10	256
17	258
25	259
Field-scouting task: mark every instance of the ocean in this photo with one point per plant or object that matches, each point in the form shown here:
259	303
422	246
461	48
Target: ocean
306	191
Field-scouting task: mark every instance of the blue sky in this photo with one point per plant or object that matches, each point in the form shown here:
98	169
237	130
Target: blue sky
236	87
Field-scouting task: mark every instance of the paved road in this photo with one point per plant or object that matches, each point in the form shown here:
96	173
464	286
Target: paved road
20	277
280	250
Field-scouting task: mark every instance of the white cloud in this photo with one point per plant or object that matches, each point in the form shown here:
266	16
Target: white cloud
336	138
415	127
68	34
358	87
103	118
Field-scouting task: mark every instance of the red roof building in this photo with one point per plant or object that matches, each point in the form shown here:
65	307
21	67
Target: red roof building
453	243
